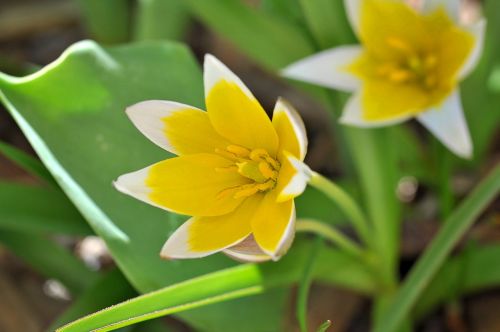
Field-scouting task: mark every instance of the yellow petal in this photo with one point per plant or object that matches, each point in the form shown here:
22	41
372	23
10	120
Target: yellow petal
273	225
202	236
188	184
233	110
178	128
290	129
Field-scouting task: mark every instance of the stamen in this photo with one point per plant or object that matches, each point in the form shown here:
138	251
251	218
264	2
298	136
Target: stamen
226	154
274	163
232	168
400	76
238	150
399	44
430	61
258	154
267	171
247	190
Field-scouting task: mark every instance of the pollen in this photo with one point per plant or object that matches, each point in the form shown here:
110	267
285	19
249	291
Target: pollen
256	165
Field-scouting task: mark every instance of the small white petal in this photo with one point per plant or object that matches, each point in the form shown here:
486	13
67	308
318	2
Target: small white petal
297	184
148	117
448	124
327	68
134	184
478	31
353	9
214	71
452	7
353	116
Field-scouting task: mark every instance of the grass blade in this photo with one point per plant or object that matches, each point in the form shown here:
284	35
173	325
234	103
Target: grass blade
433	258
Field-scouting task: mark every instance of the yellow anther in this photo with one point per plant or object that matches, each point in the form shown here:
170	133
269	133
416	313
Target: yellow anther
250	170
399	44
400	76
226	154
273	162
267	171
258	154
247	190
238	150
232	168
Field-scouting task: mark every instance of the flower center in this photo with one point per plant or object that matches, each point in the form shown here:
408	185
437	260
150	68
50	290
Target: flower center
412	67
256	165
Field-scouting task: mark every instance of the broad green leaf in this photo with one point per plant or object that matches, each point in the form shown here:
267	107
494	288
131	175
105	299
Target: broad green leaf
27	162
39	209
49	259
108	289
273	43
475	269
228	284
160	19
433	258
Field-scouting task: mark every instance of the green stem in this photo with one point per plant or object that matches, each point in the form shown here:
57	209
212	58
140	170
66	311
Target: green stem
305	284
331	234
345	202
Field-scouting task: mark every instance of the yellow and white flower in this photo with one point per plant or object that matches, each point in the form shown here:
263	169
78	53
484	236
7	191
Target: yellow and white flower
236	173
409	65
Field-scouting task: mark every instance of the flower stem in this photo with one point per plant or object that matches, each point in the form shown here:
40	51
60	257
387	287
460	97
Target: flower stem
345	202
331	234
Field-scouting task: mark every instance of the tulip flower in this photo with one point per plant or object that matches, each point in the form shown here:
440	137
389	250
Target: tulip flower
408	65
236	172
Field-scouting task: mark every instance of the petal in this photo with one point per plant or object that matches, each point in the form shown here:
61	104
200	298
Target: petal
478	31
177	128
202	236
353	9
293	178
327	68
353	115
290	129
233	110
247	251
448	124
452	7
273	225
189	184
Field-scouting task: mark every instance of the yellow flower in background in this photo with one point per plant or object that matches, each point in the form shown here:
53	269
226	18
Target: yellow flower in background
409	65
237	172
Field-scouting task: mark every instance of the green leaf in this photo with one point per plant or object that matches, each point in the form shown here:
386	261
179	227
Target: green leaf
273	43
325	326
473	270
327	22
229	284
433	258
49	259
305	284
27	162
107	290
39	209
106	21
160	19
